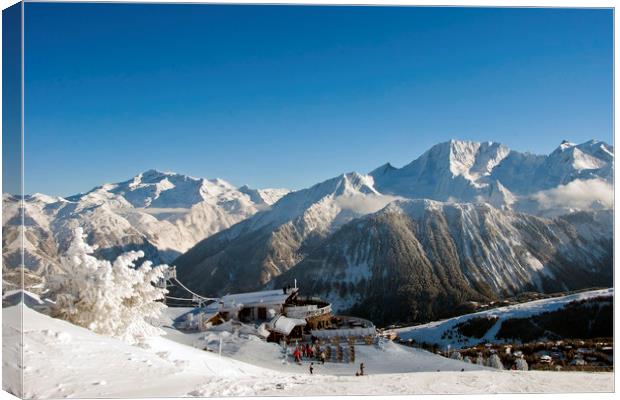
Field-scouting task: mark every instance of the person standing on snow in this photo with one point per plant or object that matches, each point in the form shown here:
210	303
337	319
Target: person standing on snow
297	355
311	368
362	369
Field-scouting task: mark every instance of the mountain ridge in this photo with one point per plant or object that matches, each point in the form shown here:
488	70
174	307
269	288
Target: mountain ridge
432	212
302	232
160	213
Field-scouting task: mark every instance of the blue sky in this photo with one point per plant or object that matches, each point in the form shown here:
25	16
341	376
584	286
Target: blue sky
276	96
11	99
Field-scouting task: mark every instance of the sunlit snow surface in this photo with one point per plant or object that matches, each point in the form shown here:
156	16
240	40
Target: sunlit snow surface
63	360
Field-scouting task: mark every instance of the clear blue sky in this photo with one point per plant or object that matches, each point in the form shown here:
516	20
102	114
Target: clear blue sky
277	96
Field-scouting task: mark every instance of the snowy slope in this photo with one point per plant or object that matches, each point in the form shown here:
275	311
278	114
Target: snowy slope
433	332
389	358
264	196
87	365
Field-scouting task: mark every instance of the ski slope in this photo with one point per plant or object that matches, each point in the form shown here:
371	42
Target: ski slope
433	331
63	360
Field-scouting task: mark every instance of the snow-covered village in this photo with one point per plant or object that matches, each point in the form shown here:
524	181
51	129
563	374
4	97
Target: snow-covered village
217	200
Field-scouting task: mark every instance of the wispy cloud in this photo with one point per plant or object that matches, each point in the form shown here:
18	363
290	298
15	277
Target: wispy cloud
579	194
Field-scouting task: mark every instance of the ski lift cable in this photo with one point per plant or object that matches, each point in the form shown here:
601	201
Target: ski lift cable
194	294
178	298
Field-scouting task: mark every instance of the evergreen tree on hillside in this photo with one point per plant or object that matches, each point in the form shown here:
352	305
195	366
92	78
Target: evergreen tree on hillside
115	299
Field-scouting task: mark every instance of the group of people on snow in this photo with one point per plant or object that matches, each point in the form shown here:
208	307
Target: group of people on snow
315	352
309	352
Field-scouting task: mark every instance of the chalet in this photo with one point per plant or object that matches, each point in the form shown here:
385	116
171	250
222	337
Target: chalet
201	319
256	306
281	327
271	305
282	314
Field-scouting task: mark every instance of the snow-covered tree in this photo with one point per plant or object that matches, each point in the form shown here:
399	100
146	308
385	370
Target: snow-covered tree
521	364
456	356
495	361
480	359
115	299
467	359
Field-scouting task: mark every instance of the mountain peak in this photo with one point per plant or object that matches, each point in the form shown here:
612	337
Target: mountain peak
354	182
382	170
463	157
155	173
565	145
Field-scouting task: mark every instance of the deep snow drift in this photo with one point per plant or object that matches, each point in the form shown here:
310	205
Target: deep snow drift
63	360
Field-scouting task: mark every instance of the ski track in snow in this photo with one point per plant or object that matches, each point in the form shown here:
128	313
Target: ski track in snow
89	365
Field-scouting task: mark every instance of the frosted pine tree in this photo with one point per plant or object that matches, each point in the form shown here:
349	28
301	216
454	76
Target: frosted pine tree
84	291
467	359
480	359
456	356
114	299
141	295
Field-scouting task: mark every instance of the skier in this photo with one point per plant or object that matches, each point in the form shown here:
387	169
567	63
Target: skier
311	368
323	357
362	369
297	355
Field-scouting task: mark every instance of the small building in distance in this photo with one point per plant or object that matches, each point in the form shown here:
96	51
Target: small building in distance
201	319
256	306
283	314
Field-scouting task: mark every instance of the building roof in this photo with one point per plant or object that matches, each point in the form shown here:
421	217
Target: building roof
211	308
285	325
255	299
207	312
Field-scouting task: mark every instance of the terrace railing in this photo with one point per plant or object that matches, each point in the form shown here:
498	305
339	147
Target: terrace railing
308	311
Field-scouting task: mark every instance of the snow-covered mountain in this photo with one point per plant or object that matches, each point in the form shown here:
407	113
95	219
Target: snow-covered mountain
489	172
451	170
260	248
500	221
417	260
161	213
493	222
